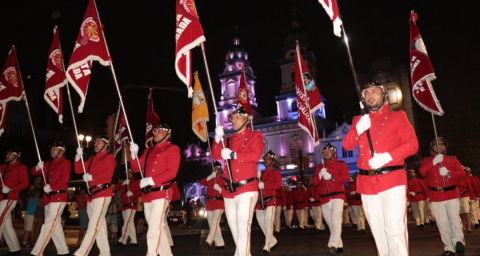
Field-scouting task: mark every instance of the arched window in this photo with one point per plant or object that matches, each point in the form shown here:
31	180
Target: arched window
231	90
293	106
295	145
265	149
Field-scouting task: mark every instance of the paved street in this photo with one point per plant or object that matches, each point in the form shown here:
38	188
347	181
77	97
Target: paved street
424	242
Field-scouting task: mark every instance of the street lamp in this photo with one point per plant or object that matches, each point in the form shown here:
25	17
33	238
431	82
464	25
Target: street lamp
82	137
88	139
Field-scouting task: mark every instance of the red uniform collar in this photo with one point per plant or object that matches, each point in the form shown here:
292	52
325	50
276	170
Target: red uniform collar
163	144
242	134
102	153
383	110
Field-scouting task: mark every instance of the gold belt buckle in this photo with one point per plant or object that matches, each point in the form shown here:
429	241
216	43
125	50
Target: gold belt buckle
440	189
371	172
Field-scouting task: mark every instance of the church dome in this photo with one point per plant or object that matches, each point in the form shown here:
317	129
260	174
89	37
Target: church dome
236	52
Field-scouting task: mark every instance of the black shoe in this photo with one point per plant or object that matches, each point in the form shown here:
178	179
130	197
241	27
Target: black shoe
319	231
421	226
339	250
361	232
276	233
68	254
206	245
132	245
417	226
332	251
477	226
14	253
214	248
265	252
459	248
432	223
448	253
273	247
122	245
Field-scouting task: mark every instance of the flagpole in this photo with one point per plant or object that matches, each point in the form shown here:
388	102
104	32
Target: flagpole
126	168
436	140
118	89
28	111
229	171
210	148
73	117
357	85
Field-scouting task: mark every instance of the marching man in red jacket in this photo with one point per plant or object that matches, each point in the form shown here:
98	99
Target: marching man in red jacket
57	173
355	200
442	171
160	166
130	191
98	176
418	195
330	176
300	202
382	179
315	203
215	208
467	197
243	151
14	179
278	210
270	181
476	188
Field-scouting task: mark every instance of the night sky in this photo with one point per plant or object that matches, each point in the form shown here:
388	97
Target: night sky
140	35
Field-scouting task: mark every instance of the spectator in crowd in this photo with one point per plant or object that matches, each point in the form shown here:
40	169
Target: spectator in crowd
39	216
81	200
140	219
33	200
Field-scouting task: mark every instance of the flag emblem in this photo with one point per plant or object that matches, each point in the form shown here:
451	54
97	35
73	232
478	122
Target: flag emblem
243	94
11	76
189	7
89	30
56	58
198	98
418	45
309	82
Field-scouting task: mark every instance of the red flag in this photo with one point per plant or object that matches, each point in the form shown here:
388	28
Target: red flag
152	121
120	131
305	91
3	116
243	95
55	76
331	8
314	98
90	46
188	34
421	71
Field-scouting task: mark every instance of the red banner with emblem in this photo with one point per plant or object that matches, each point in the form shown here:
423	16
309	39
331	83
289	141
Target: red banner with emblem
188	35
11	87
307	94
120	131
243	95
421	71
90	46
331	8
56	78
152	121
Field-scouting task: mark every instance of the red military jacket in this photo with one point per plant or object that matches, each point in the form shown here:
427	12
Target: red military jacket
15	177
272	180
300	198
214	199
134	187
465	187
280	197
340	174
355	199
162	165
435	180
176	192
288	199
314	192
57	173
392	133
418	186
475	185
101	167
248	146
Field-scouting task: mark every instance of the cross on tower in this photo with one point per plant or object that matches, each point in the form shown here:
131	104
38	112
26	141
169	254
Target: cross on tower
294	10
236	28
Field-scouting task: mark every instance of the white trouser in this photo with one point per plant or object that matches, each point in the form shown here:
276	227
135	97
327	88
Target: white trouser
473	212
6	227
357	211
239	212
128	229
317	213
157	240
387	215
428	213
447	216
167	228
332	212
277	222
265	221
418	212
352	215
302	217
97	228
52	229
346	216
477	203
288	213
215	233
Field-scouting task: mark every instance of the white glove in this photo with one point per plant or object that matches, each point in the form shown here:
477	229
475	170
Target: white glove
211	176
345	204
129	193
87	177
363	124
47	188
327	176
412	193
353	193
219	133
39	166
444	171
125	182
379	160
408	203
471	201
79	153
322	171
6	190
437	159
217	188
261	185
226	153
133	150
311	199
147	181
284	208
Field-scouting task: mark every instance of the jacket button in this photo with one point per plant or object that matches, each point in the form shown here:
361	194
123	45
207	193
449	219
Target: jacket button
237	170
378	133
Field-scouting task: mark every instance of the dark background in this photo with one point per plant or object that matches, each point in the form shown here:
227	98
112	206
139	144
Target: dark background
140	36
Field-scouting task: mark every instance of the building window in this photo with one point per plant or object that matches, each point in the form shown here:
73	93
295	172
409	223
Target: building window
346	154
231	90
295	145
293	106
265	147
